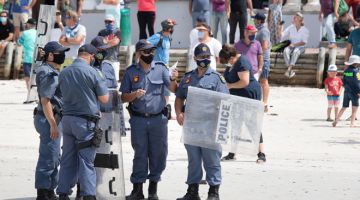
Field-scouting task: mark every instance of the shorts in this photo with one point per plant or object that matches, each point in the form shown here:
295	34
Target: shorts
27	69
20	19
350	97
333	101
266	70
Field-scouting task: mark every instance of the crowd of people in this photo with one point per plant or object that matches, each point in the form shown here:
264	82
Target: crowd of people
90	70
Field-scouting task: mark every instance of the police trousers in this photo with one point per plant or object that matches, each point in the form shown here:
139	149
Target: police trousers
46	174
211	158
149	139
77	165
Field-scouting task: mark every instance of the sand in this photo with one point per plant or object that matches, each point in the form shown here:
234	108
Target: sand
307	157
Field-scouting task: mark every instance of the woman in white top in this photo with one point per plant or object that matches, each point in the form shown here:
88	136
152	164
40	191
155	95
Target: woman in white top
204	36
298	35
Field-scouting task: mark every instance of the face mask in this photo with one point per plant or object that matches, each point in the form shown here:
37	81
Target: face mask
171	31
99	58
201	35
203	63
251	37
3	19
147	59
109	27
59	58
259	26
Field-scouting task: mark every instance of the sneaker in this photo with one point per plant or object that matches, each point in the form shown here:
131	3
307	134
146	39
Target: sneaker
349	119
329	120
261	157
291	74
229	157
287	73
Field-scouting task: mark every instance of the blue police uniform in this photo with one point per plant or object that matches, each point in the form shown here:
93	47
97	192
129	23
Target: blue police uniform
80	84
211	80
148	124
46	176
162	48
351	82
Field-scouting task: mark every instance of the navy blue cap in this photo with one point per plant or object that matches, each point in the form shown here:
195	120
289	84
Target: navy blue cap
88	48
55	47
202	50
259	16
100	43
144	45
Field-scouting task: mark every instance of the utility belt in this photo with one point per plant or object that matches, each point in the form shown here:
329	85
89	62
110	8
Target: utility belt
57	113
98	132
166	112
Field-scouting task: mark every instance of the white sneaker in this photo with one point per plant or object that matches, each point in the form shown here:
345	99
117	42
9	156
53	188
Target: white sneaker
291	74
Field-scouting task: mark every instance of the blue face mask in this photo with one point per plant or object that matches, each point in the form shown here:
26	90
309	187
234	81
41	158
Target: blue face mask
201	35
109	27
203	63
3	19
252	37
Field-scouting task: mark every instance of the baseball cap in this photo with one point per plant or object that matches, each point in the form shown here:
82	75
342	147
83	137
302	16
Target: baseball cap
202	50
109	17
251	28
88	48
332	68
99	43
259	16
55	47
201	18
354	59
144	45
31	21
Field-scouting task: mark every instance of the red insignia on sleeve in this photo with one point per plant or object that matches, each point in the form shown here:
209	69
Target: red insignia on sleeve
188	80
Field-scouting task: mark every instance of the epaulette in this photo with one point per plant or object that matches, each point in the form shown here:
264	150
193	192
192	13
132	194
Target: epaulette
220	76
131	66
161	63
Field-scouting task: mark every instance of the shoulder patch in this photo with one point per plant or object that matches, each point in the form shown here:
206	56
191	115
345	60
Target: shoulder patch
221	77
358	76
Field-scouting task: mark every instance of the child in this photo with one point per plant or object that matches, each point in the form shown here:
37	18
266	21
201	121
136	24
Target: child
352	88
333	87
274	20
27	41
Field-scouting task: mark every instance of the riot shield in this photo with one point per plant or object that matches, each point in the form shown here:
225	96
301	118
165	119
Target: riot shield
108	160
45	23
222	122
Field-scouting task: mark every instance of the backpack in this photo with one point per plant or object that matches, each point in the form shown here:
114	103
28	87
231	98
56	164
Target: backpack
279	47
343	7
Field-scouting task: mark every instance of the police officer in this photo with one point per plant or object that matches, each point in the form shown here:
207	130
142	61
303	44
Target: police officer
47	121
143	87
83	87
203	77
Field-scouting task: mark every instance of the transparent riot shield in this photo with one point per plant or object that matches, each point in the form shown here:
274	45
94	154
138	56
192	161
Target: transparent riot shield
108	160
45	23
223	122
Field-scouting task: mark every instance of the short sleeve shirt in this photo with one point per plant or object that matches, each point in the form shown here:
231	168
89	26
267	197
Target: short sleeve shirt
211	80
334	85
109	74
218	5
80	85
263	34
73	33
200	5
113	52
18	4
253	90
354	40
215	47
251	52
27	41
295	36
146	5
47	82
163	50
351	80
6	30
153	82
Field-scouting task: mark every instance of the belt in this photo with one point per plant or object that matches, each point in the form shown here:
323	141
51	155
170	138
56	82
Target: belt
145	115
90	118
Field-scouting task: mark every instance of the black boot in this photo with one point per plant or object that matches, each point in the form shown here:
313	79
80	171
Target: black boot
78	197
89	198
192	193
64	197
42	194
213	193
51	195
153	191
137	193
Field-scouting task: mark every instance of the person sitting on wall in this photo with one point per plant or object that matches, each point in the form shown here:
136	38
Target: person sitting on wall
6	33
298	35
344	26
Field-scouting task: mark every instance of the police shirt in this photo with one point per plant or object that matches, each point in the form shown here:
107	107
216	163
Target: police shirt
109	74
162	51
80	85
211	80
153	82
253	90
47	83
352	80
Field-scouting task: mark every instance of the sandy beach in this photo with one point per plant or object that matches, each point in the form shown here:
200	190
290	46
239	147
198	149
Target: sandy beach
308	159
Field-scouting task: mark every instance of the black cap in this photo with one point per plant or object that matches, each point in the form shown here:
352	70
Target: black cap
144	45
31	21
88	48
55	47
260	16
100	43
202	50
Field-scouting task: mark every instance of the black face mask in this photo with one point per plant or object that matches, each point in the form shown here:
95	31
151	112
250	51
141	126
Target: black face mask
59	58
171	31
147	59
